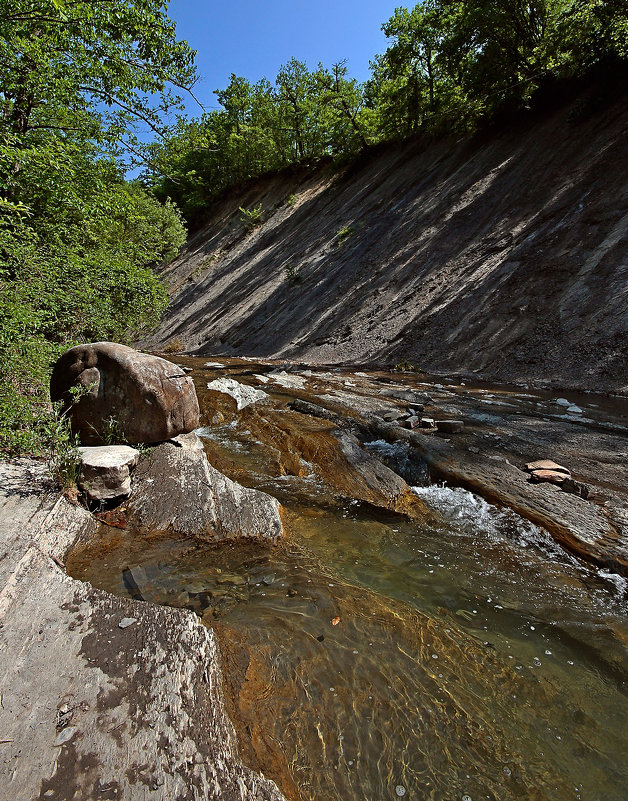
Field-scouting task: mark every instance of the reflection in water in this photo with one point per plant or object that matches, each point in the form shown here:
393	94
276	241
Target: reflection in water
464	661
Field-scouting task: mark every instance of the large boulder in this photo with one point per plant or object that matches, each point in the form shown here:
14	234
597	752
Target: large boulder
176	490
134	396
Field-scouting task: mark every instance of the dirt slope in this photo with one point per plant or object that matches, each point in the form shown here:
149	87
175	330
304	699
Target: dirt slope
504	256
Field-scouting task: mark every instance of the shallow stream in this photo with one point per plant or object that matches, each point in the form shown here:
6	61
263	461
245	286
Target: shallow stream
370	656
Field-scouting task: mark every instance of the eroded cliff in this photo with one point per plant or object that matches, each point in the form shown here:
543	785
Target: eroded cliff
503	255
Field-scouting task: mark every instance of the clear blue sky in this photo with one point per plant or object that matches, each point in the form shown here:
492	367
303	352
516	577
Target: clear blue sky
254	39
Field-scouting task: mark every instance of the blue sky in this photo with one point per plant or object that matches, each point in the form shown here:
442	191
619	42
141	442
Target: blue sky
254	39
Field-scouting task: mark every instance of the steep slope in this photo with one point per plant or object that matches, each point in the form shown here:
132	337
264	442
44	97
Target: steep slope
503	255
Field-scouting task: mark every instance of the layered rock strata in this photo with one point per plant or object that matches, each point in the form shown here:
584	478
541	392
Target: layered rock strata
102	697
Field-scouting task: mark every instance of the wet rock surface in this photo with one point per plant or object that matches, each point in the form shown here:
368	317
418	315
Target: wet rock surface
177	491
504	430
125	395
91	707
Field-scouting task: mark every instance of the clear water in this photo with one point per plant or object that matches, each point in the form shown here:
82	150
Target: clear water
373	657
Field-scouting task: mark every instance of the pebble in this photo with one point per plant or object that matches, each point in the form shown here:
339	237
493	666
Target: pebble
400	790
65	735
126	622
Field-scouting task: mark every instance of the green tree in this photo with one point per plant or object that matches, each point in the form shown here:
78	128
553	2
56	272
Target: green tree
344	99
77	242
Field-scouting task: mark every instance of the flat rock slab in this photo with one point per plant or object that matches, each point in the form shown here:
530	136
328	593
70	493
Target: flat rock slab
243	394
579	525
106	471
547	464
553	476
450	426
177	490
288	381
91	710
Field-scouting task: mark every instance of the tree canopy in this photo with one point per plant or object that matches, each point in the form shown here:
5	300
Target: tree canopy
449	65
79	83
83	85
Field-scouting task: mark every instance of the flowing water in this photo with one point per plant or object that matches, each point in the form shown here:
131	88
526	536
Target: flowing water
371	656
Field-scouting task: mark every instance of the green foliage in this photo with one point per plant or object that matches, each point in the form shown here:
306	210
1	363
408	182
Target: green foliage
77	242
449	65
406	366
292	273
111	433
344	234
174	346
304	116
61	449
91	67
252	217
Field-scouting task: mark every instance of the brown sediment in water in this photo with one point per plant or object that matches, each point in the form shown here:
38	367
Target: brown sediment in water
298	445
291	723
246	690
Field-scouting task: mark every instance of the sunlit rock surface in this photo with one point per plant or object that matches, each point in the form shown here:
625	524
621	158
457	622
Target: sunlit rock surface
91	706
124	395
177	490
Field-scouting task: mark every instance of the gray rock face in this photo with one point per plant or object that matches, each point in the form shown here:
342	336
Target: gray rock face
450	426
148	399
375	483
106	471
177	490
92	708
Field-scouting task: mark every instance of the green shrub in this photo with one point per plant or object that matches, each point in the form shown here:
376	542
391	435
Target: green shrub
344	234
252	217
292	273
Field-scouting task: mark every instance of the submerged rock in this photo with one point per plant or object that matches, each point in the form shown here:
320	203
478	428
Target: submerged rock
105	471
125	394
177	490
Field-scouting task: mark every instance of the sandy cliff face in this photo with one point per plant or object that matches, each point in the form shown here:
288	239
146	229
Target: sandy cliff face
505	255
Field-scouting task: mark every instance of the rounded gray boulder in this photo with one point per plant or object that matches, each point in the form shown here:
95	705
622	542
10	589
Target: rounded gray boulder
124	395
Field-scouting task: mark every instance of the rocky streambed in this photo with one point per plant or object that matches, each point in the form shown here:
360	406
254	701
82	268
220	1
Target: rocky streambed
431	623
